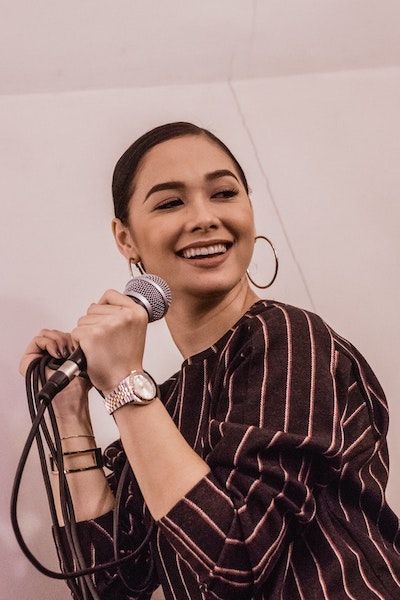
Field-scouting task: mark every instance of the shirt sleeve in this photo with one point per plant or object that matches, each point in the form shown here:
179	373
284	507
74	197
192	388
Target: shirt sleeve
278	442
135	579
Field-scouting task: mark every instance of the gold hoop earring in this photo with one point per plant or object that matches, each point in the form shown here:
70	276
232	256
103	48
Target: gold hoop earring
263	287
138	265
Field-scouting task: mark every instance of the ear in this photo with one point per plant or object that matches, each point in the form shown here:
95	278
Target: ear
124	240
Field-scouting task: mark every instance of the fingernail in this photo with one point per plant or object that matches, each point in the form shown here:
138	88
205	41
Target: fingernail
59	353
65	352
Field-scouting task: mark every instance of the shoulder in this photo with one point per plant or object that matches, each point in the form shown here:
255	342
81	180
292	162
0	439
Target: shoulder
288	336
295	336
270	323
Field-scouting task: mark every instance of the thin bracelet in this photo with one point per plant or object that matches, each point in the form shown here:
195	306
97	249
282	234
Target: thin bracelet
69	437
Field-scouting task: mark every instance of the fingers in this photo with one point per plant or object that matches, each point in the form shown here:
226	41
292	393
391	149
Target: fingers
129	311
57	343
98	313
64	341
41	344
115	298
103	317
103	309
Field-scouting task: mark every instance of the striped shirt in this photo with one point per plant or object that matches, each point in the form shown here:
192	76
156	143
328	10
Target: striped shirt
292	422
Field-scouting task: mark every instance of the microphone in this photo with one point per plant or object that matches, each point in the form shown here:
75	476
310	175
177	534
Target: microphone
150	291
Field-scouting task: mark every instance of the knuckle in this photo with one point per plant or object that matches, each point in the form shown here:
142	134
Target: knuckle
129	315
143	316
109	293
96	332
136	317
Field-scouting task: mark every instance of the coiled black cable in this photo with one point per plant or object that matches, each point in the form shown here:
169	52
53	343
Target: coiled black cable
80	583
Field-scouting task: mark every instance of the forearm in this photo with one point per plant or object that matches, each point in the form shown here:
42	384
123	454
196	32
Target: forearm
90	493
165	466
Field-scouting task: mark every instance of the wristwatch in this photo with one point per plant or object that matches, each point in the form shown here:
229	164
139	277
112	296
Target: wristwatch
138	388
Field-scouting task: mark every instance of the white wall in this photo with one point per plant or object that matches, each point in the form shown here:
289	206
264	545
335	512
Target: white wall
321	153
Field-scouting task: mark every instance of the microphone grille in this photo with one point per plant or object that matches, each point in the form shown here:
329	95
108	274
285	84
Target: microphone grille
154	289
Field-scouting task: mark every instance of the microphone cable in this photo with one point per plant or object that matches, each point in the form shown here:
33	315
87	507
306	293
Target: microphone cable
79	580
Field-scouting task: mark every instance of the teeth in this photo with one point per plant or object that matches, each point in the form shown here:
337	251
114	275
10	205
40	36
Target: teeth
204	250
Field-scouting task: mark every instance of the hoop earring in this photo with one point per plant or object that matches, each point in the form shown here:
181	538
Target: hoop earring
138	265
263	287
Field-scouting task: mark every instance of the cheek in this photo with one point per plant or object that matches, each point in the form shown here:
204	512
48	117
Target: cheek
244	222
155	244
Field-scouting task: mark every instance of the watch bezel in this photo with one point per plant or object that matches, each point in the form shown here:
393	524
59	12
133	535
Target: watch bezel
132	379
125	392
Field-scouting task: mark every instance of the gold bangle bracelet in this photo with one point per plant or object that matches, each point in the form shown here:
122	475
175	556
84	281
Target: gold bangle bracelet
97	455
79	435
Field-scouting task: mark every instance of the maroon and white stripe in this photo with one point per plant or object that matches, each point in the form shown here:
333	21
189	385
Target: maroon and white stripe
292	422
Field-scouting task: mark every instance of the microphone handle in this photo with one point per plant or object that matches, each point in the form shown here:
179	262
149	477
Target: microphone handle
59	380
76	362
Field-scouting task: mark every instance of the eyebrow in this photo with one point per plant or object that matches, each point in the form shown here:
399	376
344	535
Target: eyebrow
180	185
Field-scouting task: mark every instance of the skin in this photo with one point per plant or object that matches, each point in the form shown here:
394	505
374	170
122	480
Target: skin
209	296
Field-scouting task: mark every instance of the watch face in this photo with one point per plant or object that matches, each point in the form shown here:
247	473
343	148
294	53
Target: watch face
143	386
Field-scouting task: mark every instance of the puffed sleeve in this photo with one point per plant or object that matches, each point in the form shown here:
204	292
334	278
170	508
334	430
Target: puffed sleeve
279	441
136	578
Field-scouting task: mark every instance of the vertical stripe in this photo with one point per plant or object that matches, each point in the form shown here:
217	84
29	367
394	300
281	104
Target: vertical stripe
289	554
203	404
335	416
297	580
181	576
244	524
340	559
265	358
320	572
312	379
182	401
362	573
289	368
170	586
289	371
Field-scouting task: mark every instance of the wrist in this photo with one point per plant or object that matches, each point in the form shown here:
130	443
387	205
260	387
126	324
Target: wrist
74	425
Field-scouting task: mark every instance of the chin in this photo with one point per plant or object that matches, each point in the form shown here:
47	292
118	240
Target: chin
211	289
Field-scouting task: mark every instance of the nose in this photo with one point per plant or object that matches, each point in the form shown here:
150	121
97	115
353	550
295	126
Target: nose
202	216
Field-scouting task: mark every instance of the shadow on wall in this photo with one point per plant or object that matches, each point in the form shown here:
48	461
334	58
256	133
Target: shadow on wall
19	579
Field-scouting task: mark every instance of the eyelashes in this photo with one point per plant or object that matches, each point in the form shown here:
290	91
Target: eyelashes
227	193
174	202
169	204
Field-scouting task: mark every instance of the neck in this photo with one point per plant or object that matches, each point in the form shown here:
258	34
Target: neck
196	324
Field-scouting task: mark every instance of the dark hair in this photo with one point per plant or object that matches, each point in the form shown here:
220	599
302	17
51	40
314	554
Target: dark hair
127	166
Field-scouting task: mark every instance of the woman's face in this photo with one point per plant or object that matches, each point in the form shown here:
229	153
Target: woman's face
190	218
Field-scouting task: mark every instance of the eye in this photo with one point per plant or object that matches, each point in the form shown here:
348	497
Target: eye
227	193
169	204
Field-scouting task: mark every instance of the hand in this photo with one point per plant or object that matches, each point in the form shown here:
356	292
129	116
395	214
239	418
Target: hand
112	335
73	400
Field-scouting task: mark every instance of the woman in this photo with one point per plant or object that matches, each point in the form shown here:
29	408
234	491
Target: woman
264	461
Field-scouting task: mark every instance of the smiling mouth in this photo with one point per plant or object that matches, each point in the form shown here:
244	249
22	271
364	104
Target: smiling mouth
203	252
